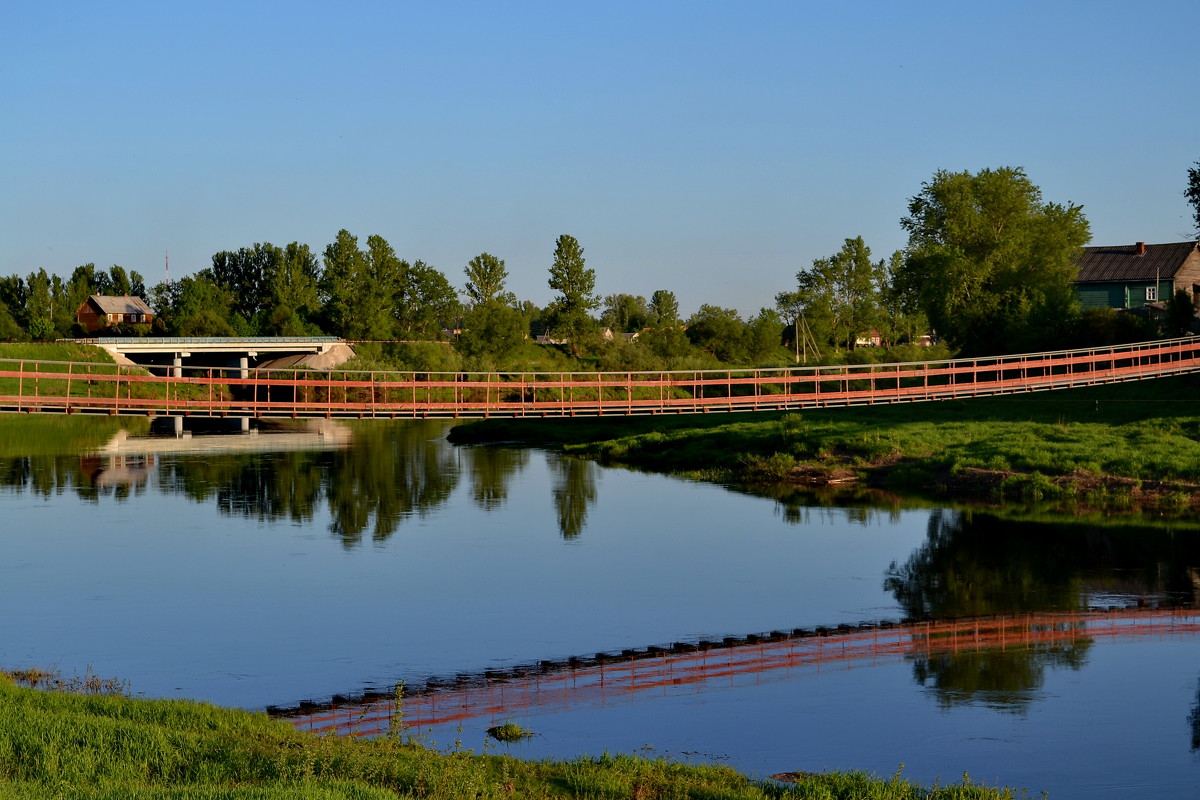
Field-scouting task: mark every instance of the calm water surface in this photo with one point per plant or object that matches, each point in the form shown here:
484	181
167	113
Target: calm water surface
268	569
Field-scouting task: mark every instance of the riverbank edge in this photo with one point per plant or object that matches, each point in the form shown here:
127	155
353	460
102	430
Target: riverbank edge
973	452
86	739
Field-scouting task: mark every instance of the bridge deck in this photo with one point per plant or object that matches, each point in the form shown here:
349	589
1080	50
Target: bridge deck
66	387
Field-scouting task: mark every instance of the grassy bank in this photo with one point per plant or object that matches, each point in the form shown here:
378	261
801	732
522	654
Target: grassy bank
1119	444
65	358
87	742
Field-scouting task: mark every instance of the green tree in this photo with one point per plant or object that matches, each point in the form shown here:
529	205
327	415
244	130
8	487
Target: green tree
1180	313
492	331
899	320
39	305
568	315
839	295
13	296
485	278
763	337
377	289
10	331
720	331
625	313
294	301
1192	193
425	302
990	263
201	307
670	344
664	308
247	274
344	284
119	282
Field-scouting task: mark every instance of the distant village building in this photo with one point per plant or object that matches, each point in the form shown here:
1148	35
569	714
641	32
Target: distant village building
99	311
1136	275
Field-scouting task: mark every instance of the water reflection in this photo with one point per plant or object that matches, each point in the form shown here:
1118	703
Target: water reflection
973	660
1194	719
1003	680
975	564
574	490
492	472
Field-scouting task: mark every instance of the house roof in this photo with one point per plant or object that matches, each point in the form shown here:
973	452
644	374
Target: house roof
120	305
1123	262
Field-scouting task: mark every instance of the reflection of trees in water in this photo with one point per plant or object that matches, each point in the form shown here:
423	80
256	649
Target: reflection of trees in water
47	476
1194	719
1006	680
574	490
979	565
388	472
492	471
858	505
974	566
386	475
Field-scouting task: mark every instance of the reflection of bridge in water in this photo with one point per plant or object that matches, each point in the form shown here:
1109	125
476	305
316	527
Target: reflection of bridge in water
616	677
27	385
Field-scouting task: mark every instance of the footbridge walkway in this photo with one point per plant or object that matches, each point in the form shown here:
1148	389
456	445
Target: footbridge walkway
63	387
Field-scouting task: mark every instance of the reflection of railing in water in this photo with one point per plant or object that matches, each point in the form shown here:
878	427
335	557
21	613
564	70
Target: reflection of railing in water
497	694
97	388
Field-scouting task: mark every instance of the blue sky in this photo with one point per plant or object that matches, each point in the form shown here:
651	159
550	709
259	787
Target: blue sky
712	149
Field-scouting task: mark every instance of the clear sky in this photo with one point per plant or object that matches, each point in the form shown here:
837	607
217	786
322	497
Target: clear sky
707	148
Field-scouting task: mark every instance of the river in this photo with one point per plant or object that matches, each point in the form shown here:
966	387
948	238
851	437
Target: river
321	563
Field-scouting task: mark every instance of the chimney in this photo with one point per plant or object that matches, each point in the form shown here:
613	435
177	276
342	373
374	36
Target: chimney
1141	248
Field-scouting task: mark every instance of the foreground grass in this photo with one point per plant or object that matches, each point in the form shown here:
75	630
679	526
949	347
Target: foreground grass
87	745
1043	444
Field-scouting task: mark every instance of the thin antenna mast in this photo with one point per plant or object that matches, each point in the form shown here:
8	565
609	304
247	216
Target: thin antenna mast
167	266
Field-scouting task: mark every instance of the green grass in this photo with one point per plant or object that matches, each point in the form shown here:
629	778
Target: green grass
23	435
89	745
64	357
55	351
1143	431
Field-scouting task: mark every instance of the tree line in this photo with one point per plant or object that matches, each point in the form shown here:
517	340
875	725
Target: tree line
989	267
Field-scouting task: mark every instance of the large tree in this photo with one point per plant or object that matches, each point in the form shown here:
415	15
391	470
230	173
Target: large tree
1192	193
576	285
990	263
625	313
425	302
248	275
664	308
839	295
344	286
485	278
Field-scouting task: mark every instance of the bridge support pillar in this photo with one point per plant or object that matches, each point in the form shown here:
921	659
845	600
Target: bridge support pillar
245	424
177	366
243	367
178	422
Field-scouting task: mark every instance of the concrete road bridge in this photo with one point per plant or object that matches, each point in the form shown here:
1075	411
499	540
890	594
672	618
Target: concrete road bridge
62	387
178	352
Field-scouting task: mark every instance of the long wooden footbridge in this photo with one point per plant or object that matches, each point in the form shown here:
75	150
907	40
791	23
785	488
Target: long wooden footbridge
65	387
608	678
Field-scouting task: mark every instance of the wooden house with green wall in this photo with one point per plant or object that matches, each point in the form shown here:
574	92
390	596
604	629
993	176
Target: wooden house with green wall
1133	275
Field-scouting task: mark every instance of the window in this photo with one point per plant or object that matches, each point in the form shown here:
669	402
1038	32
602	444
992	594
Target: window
1151	294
